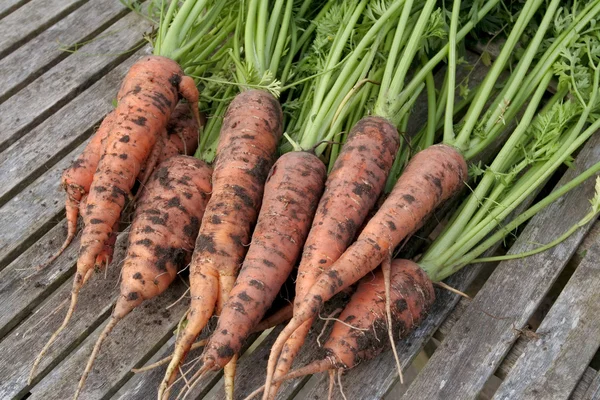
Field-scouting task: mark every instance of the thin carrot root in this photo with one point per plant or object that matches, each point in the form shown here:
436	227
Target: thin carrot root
386	269
251	129
105	332
352	189
74	295
279	317
229	377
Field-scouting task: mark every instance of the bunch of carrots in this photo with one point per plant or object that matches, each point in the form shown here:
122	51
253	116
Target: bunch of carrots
331	86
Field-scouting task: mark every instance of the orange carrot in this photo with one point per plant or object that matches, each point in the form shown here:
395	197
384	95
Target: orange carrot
251	129
180	137
77	179
163	232
352	188
359	333
147	98
292	191
431	177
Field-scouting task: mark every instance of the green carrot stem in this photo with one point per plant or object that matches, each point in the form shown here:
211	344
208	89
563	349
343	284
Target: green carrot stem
473	254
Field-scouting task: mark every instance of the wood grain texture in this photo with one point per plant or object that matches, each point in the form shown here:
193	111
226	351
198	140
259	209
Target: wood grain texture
130	344
9	6
31	155
569	336
593	391
29	214
49	92
19	67
21	346
30	19
22	287
476	345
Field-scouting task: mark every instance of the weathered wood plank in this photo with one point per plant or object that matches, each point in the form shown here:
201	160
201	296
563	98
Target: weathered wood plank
30	19
30	156
130	344
19	68
476	345
593	391
8	6
22	288
569	336
29	214
145	385
49	92
21	346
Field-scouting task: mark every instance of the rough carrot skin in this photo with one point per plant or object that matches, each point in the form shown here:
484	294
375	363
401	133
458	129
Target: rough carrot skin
411	297
180	137
164	229
141	115
292	191
147	98
432	176
251	128
352	188
77	179
163	232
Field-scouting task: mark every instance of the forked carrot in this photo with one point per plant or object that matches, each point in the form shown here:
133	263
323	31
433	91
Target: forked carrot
251	129
149	94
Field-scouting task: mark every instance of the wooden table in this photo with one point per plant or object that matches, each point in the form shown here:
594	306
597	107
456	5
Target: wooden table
52	100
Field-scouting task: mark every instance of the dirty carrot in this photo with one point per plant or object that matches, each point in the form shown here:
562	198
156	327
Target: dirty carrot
163	232
251	129
351	190
292	191
431	177
154	85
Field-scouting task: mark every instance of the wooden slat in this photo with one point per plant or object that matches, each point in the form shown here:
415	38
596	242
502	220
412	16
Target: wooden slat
9	6
145	385
593	391
22	289
31	156
29	214
131	343
569	336
30	20
44	96
19	68
21	346
476	345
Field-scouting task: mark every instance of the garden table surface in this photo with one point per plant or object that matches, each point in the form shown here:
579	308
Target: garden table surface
532	329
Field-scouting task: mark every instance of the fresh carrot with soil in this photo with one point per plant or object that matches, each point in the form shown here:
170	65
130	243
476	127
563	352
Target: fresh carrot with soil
435	173
292	191
293	188
147	97
163	232
251	129
359	331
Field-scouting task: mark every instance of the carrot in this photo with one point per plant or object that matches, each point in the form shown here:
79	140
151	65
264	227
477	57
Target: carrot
358	333
352	188
431	177
180	137
164	228
292	191
251	129
153	86
77	179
